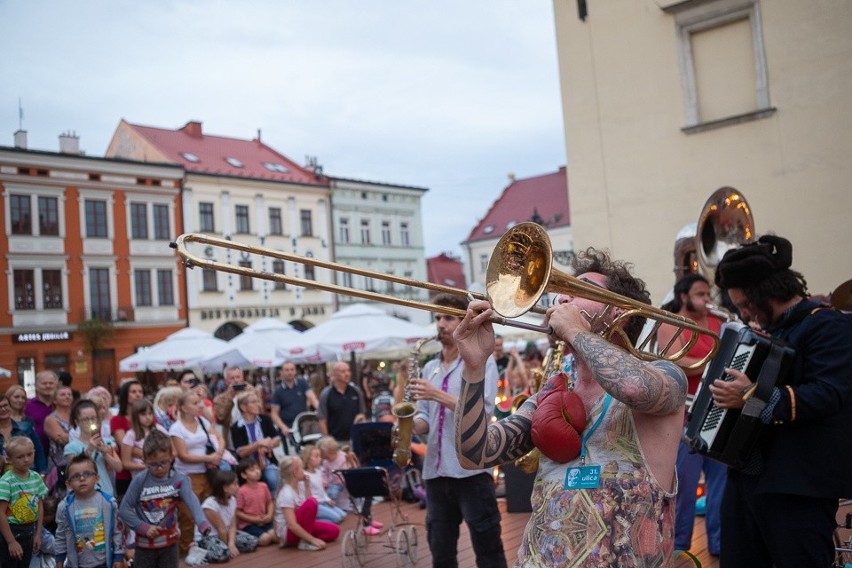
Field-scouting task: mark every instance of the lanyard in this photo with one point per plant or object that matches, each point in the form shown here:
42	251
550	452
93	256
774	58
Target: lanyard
445	384
594	427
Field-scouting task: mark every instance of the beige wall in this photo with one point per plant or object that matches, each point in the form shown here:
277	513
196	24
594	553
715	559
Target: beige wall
637	178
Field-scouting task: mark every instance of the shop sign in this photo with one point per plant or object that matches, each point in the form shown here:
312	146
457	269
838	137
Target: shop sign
41	336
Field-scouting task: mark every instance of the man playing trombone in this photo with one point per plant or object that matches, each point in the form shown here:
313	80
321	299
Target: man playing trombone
619	509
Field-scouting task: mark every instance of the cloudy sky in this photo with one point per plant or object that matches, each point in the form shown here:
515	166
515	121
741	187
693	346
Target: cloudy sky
447	95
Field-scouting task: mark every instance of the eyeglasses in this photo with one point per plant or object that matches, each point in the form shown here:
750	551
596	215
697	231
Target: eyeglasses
158	465
87	419
82	475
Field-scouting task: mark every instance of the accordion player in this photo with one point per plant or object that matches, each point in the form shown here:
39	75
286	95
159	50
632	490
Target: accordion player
730	436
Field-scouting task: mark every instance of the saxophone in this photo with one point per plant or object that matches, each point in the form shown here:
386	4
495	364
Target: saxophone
551	365
404	410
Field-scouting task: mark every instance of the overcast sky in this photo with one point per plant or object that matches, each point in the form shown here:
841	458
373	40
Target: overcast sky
447	95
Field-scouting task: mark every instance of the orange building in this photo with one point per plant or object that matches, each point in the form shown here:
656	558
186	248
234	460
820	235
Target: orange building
89	276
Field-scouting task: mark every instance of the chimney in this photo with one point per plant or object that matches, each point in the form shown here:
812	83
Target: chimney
192	128
511	177
69	143
21	139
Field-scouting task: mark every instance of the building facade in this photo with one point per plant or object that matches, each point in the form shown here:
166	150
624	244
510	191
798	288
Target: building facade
88	273
667	101
245	191
378	227
542	199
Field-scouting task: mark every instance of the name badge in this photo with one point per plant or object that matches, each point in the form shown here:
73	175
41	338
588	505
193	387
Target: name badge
585	477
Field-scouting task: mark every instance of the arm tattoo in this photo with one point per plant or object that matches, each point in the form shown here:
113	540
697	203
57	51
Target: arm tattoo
481	444
652	388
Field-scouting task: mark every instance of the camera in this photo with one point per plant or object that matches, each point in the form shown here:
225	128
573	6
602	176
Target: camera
194	383
94	427
240	387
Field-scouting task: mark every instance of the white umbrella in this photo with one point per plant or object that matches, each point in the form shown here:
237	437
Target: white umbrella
182	349
358	328
5	372
255	346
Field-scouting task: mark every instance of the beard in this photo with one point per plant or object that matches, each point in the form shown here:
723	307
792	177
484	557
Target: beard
694	308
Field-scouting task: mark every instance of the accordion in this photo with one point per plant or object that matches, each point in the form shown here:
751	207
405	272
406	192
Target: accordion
729	435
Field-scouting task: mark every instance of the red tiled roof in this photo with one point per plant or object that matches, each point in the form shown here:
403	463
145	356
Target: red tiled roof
445	270
212	153
546	195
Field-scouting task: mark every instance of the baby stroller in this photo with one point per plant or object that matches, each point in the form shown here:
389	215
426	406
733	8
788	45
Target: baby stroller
378	476
305	430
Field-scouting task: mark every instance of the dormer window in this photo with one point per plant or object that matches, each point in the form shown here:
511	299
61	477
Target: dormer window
190	157
234	162
273	167
488	230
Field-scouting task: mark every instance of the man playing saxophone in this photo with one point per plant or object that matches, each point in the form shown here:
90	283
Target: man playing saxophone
455	493
617	508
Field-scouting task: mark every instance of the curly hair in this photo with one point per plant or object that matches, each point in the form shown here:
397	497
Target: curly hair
618	279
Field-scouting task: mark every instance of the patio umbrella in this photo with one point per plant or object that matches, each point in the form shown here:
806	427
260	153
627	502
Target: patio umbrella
358	329
5	372
254	347
182	349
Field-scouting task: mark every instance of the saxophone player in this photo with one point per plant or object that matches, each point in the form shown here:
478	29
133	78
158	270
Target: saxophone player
455	493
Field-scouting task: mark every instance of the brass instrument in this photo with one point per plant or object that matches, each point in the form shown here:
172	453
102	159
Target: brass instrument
725	222
519	272
551	365
405	409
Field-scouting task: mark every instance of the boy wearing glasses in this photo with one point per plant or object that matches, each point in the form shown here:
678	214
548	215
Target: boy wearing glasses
87	535
150	505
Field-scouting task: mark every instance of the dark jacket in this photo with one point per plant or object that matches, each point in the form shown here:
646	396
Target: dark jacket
26	429
812	455
240	435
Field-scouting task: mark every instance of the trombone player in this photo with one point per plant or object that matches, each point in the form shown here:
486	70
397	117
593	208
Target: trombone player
621	511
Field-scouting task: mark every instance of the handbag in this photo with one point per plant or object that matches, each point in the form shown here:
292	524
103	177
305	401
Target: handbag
209	448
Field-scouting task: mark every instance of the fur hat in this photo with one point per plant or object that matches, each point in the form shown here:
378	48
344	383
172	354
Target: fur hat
754	262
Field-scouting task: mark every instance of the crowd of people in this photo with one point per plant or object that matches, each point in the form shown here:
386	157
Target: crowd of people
190	473
175	475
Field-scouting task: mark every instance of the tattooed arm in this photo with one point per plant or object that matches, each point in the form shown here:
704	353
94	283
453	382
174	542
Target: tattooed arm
480	443
657	388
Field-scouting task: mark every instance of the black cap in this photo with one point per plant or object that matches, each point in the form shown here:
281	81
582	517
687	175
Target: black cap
753	263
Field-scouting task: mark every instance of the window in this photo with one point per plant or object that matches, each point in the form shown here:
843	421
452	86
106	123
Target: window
99	293
273	167
307	223
51	283
242	218
48	216
142	280
276	227
234	162
208	280
205	218
245	281
96	218
483	262
722	62
190	157
165	291
365	231
24	289
278	268
161	223
404	239
389	287
344	230
139	220
347	279
20	214
309	270
386	233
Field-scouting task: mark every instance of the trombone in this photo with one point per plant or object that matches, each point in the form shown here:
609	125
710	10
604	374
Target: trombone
519	272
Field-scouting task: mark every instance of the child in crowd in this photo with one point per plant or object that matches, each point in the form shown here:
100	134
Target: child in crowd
255	508
333	459
21	514
141	424
44	556
150	505
87	533
296	511
221	508
84	416
327	510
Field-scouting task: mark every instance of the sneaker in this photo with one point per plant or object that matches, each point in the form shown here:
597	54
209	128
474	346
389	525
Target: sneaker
372	531
196	556
305	545
377	524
